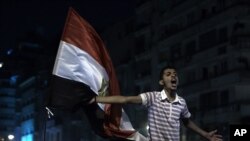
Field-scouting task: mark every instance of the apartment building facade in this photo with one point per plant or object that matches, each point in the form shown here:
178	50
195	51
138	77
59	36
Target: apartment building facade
208	43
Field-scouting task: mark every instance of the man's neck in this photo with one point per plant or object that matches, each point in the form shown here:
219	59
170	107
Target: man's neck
170	94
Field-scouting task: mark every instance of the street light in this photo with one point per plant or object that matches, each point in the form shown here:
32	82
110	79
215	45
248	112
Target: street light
1	64
11	137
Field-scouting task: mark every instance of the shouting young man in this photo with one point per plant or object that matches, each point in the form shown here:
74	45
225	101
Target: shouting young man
165	109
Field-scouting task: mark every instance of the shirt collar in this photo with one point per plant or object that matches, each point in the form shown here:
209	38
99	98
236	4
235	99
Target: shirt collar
164	96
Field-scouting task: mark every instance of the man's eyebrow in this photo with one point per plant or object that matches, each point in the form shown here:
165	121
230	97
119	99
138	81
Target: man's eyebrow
168	73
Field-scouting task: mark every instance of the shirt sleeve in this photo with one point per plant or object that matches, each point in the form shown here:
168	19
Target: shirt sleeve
144	99
185	112
147	98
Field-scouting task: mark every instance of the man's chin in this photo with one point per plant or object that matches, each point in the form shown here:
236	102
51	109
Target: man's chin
173	88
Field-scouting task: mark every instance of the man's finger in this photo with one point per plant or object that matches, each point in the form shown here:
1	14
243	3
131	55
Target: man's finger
213	132
218	136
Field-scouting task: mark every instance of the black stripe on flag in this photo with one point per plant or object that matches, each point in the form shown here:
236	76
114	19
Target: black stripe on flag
68	94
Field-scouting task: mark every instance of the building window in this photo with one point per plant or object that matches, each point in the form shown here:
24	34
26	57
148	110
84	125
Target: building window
207	40
190	76
224	97
215	70
176	51
190	18
209	100
243	61
163	56
190	48
213	9
238	25
221	4
224	67
204	73
222	50
175	3
140	45
204	13
162	4
223	35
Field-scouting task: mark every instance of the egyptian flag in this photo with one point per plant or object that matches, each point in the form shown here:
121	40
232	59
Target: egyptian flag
82	70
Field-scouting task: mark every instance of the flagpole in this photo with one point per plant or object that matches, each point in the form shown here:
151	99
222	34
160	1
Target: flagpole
45	126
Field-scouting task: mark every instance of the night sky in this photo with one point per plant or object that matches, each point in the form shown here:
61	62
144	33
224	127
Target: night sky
47	17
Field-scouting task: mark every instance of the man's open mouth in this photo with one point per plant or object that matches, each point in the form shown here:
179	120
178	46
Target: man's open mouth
173	81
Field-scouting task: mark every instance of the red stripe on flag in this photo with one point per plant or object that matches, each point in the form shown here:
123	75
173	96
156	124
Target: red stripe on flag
81	34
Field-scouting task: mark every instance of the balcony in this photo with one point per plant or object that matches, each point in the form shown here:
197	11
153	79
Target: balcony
215	17
223	79
241	42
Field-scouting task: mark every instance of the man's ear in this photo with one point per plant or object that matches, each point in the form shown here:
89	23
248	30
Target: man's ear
161	82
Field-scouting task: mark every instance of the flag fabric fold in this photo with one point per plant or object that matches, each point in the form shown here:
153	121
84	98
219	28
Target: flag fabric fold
82	70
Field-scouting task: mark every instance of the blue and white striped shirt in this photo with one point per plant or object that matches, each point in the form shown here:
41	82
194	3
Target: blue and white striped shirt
164	116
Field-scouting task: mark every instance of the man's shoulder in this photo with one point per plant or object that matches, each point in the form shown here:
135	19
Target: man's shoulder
152	94
149	97
182	100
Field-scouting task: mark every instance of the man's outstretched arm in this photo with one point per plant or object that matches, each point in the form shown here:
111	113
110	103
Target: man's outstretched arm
117	99
211	136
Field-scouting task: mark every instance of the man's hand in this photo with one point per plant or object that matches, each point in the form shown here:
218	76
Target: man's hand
212	136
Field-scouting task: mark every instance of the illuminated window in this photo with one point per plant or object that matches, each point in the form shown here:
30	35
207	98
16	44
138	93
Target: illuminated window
28	137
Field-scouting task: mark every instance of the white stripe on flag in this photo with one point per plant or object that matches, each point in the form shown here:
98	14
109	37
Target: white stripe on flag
125	123
75	64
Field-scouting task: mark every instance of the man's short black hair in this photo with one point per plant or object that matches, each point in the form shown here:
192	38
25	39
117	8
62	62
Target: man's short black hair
168	66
